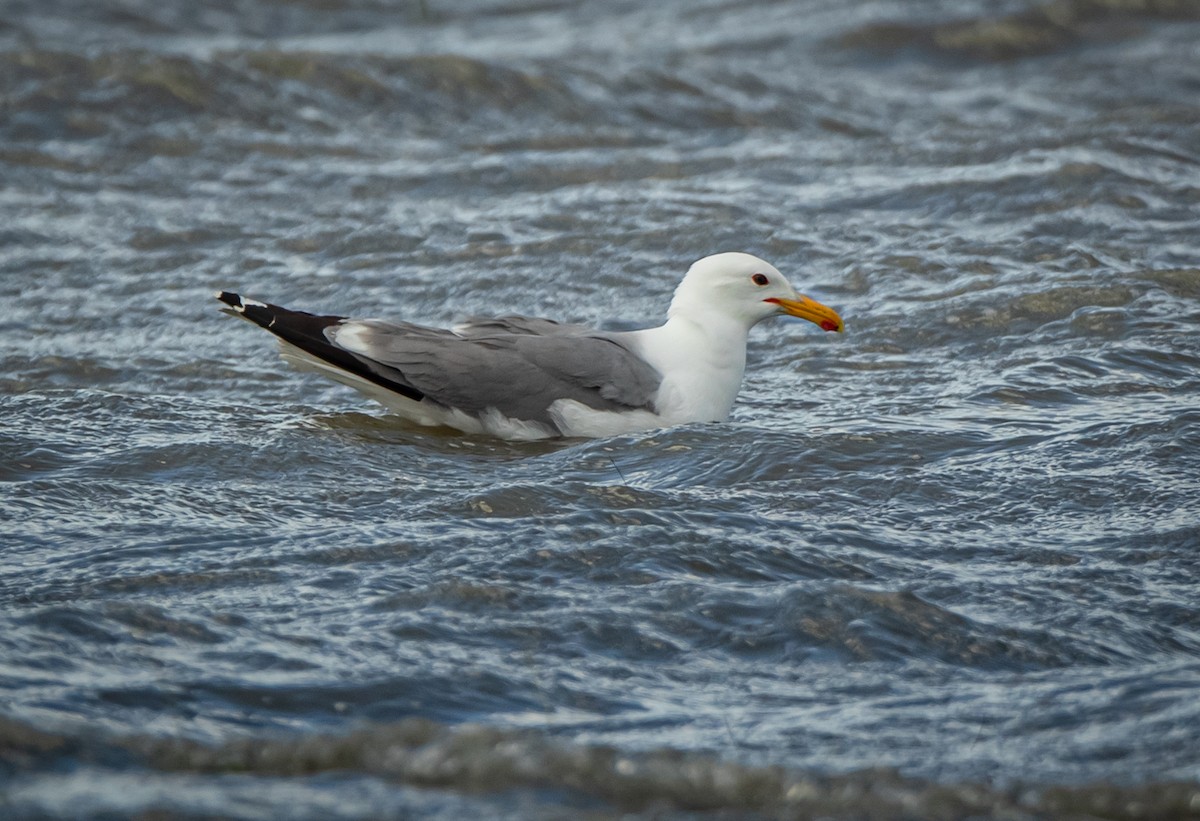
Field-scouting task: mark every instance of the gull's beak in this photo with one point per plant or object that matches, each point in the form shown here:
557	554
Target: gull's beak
810	309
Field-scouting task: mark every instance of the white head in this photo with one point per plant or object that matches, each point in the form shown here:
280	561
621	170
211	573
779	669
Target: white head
744	289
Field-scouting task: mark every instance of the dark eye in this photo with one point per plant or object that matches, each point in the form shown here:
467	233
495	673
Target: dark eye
760	279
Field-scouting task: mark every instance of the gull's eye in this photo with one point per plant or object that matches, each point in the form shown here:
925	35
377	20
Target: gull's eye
760	279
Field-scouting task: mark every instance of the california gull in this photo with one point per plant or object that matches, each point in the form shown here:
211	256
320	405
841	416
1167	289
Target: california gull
518	377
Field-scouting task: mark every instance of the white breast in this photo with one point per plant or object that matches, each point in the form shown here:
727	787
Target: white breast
702	368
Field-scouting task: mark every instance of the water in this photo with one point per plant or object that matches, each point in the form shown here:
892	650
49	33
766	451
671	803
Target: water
941	566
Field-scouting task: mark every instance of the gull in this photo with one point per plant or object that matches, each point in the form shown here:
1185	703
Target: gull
523	378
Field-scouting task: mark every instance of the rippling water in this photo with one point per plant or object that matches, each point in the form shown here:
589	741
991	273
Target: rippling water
942	566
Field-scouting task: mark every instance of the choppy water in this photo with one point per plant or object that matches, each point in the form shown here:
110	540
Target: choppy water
942	566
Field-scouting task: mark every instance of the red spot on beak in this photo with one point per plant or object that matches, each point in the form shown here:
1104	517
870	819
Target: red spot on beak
828	325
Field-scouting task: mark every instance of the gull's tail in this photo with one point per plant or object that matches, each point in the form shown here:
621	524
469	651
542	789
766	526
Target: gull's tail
305	344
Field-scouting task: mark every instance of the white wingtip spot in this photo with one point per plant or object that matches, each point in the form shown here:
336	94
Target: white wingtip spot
351	336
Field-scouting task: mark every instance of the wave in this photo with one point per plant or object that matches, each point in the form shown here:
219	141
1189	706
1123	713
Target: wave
477	759
1042	30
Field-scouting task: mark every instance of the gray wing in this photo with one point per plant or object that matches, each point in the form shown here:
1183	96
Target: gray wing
479	326
519	374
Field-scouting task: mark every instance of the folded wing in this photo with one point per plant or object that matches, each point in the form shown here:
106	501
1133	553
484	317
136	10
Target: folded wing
519	374
519	366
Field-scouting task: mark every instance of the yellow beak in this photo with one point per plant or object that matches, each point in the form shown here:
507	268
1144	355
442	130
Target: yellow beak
813	311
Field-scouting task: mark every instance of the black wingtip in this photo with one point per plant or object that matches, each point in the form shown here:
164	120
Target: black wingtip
230	298
307	332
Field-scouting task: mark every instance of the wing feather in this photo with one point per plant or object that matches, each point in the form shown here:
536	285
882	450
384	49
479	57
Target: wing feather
514	367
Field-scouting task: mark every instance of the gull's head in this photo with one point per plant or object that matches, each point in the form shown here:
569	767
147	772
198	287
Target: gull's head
745	289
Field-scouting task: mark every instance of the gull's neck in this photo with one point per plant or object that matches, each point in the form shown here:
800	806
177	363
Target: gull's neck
701	356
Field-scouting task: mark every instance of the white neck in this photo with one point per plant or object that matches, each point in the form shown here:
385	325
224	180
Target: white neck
702	362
